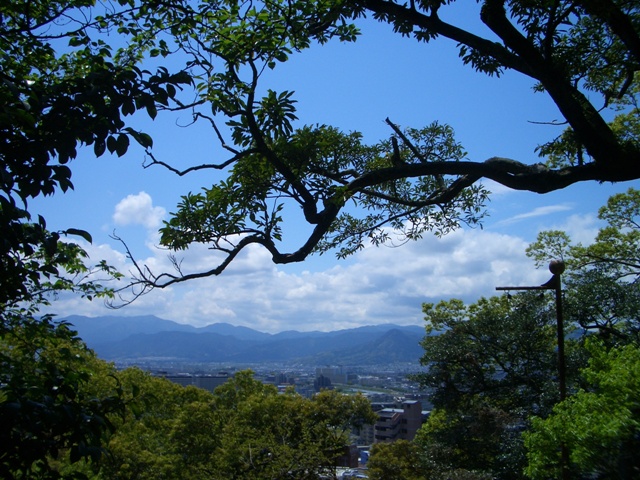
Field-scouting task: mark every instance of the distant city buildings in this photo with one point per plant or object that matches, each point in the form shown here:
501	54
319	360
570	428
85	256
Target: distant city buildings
206	382
337	375
400	416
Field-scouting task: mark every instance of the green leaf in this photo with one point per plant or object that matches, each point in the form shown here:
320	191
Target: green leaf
122	144
78	41
142	138
128	107
152	110
80	233
111	143
99	147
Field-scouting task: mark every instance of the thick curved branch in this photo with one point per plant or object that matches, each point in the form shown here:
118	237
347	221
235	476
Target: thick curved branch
589	126
325	220
433	24
521	55
620	24
536	178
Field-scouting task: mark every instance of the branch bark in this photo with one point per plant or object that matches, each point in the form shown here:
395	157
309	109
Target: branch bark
589	126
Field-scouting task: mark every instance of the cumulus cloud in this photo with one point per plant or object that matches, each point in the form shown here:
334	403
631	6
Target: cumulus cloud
376	285
380	285
138	210
581	228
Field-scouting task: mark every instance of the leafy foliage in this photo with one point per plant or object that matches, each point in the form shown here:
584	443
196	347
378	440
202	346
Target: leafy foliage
491	365
45	369
46	402
398	460
244	430
599	425
602	297
143	445
602	278
65	84
269	435
61	86
496	345
418	181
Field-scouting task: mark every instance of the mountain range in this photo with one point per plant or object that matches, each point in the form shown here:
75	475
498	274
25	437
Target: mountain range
131	339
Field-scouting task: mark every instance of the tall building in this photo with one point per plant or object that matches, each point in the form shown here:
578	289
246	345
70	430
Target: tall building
399	423
207	382
335	374
322	383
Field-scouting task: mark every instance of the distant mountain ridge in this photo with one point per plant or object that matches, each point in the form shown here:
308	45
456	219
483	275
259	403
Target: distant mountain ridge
132	338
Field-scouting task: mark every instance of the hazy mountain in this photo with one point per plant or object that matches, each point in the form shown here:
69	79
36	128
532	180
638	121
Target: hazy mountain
131	338
175	346
392	346
241	333
97	330
304	346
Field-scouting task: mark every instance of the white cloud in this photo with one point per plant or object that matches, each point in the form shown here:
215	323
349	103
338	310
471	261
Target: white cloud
378	285
536	212
138	210
581	228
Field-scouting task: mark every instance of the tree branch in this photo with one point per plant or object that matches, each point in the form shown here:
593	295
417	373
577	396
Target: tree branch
308	201
620	23
589	126
205	166
413	149
515	175
433	24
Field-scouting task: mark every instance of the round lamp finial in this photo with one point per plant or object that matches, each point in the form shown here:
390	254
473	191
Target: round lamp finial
556	267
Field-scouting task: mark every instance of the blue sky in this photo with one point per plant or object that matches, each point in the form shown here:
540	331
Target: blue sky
353	87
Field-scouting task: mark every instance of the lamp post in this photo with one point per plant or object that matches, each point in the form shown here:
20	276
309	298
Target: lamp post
556	267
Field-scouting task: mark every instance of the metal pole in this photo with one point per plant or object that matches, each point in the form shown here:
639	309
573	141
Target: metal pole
562	371
555	283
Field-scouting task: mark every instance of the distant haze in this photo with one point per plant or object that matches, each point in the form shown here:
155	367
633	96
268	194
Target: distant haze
131	339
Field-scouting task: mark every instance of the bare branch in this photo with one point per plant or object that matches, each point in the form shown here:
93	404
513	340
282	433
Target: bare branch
413	149
204	166
213	124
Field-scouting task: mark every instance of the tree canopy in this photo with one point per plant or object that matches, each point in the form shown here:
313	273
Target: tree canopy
60	89
72	72
47	407
244	430
492	372
417	181
599	424
602	279
489	367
